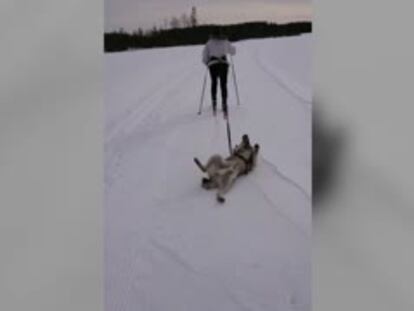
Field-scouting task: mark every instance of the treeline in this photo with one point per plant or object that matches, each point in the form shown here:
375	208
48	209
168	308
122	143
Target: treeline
121	40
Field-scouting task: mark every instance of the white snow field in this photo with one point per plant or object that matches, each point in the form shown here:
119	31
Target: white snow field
169	246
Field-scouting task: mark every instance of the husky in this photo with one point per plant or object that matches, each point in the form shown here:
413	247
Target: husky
222	173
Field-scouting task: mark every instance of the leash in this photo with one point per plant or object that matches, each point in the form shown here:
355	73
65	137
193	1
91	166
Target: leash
238	102
229	134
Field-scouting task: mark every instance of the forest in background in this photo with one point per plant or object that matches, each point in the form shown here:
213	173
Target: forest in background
186	30
198	34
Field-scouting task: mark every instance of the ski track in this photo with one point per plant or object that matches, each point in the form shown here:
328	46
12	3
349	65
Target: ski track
274	205
286	178
175	257
281	82
146	233
137	116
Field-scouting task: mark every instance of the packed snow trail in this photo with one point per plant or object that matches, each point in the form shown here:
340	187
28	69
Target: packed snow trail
169	246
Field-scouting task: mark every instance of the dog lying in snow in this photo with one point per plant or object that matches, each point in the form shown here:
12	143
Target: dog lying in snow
222	173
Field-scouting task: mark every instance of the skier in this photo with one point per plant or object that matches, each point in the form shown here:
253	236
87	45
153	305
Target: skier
214	56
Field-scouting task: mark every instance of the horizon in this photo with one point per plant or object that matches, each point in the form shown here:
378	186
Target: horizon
211	24
130	15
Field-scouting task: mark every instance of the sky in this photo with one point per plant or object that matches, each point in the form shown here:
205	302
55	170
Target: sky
133	14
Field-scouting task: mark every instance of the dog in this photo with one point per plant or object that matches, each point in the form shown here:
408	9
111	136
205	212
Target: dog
222	173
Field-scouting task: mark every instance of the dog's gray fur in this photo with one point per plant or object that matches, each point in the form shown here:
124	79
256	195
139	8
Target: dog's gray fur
222	173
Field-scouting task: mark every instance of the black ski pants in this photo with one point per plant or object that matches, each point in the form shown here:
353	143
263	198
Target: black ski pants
218	72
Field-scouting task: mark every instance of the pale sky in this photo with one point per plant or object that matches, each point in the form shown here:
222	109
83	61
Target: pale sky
132	14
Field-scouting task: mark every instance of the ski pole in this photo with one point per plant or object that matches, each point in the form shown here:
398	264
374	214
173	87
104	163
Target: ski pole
235	80
202	92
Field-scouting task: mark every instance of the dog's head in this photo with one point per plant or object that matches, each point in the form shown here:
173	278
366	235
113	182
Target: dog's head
247	151
244	145
245	140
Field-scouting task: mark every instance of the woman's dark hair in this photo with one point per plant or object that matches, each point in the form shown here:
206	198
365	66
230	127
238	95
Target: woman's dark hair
217	33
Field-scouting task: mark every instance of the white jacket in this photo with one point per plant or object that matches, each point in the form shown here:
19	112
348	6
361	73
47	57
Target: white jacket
217	48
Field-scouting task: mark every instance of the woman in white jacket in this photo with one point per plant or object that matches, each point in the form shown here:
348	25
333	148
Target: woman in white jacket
214	56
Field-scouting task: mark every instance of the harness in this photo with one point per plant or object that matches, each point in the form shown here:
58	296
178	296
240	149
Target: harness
247	162
217	60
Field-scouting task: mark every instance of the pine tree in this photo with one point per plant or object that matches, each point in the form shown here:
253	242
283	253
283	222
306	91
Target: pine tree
193	17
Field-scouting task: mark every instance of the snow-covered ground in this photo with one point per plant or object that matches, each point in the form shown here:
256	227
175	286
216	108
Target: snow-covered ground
169	246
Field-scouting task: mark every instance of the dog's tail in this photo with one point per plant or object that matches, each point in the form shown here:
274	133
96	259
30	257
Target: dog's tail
200	166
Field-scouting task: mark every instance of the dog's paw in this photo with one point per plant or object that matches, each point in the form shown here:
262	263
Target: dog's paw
205	182
220	199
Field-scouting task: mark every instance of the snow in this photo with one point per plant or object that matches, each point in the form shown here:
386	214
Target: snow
169	246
